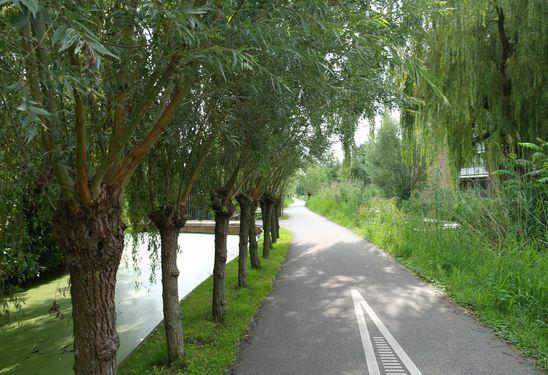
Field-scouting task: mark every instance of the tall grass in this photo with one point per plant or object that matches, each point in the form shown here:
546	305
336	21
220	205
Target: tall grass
494	263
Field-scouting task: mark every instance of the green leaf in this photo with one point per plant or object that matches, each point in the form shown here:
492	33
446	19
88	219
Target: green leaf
22	20
101	50
12	88
522	162
529	146
534	173
59	34
538	155
504	172
39	111
30	132
31	5
198	10
69	38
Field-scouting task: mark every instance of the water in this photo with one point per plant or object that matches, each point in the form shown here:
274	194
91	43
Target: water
34	342
139	300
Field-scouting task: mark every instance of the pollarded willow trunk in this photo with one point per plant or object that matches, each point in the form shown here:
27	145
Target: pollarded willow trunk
273	223
222	218
245	207
266	213
278	214
93	239
169	222
253	246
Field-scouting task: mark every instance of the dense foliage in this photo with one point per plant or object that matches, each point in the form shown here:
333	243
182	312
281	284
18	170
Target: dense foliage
490	60
383	163
115	113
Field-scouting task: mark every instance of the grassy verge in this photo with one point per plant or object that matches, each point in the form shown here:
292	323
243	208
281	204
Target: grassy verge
211	348
506	287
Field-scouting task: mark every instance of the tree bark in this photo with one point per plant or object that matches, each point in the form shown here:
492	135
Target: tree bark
222	218
266	209
169	222
245	207
273	215
253	246
93	238
278	214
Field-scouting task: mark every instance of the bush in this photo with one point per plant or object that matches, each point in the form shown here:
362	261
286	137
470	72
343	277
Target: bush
342	200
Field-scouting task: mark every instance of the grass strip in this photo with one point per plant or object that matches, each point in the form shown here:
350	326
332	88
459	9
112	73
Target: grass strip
211	348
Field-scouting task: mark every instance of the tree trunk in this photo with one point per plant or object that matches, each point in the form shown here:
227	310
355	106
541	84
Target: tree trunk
93	239
169	222
278	214
273	224
222	218
253	246
266	209
245	208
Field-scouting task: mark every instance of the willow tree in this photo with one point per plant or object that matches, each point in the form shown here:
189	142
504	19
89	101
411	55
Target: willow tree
286	28
173	168
160	191
271	163
360	66
226	165
490	58
27	248
268	118
100	83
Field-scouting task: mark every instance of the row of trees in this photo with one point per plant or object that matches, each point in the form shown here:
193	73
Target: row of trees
137	107
379	164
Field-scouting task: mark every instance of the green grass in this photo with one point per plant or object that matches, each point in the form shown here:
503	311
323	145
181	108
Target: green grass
506	287
211	348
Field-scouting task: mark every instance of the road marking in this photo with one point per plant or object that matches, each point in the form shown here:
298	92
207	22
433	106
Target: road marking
390	364
359	306
370	359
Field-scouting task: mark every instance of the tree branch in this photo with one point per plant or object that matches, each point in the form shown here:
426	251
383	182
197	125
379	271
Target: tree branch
197	168
81	141
507	51
130	162
151	92
48	141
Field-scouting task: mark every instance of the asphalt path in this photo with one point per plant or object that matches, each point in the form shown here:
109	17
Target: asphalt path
343	306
